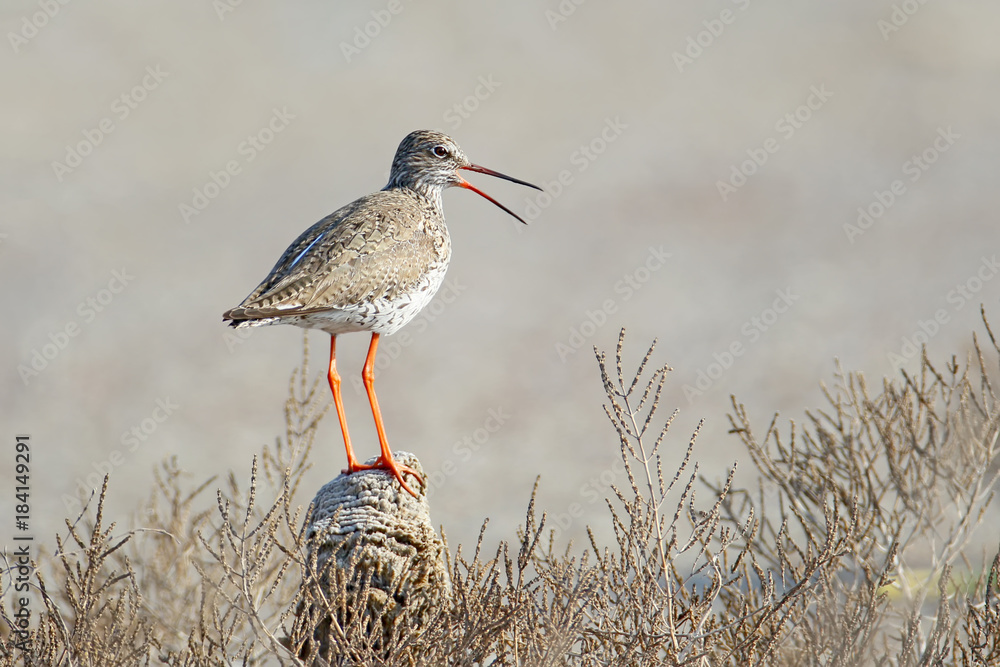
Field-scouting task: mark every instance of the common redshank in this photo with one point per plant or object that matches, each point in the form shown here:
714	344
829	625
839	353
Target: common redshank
370	266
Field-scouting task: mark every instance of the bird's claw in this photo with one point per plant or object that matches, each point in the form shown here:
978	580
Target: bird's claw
396	469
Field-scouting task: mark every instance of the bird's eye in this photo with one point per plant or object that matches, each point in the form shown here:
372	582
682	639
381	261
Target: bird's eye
440	151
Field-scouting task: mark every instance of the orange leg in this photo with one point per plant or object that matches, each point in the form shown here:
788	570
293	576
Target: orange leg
385	460
338	401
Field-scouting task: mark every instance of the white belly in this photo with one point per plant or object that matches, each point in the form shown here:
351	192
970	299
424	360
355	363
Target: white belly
381	316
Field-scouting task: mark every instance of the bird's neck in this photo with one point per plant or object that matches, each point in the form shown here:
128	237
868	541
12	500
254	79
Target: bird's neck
428	193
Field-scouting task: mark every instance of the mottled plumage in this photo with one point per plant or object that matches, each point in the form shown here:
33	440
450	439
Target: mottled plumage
371	265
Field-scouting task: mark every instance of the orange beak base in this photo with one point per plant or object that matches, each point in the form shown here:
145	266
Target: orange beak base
489	172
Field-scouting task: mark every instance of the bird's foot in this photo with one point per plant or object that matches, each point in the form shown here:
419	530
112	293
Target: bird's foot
390	465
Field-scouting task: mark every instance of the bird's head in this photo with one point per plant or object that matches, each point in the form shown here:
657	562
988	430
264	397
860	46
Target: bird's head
428	162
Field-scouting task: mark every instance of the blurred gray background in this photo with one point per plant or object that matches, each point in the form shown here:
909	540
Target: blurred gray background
118	115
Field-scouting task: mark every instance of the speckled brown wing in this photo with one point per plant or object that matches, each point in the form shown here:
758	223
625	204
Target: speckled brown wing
375	247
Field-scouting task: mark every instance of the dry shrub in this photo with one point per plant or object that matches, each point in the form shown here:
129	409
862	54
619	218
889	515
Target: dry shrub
912	471
855	549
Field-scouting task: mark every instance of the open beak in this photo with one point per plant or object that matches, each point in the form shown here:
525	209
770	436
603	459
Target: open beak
489	172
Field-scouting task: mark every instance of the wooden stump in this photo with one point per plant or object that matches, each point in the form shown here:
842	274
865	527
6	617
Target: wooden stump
365	527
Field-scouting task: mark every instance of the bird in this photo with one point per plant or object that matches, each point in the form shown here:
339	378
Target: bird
370	266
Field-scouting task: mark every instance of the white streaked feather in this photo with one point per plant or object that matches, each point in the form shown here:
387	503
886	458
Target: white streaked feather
302	254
